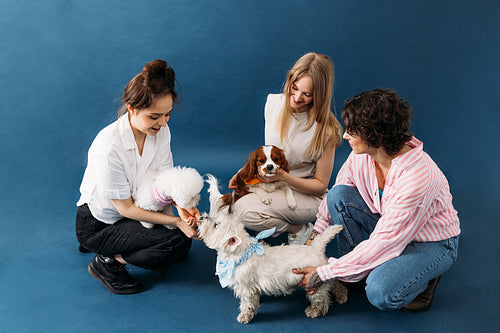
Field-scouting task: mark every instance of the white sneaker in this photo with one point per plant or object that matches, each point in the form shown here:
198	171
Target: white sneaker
301	237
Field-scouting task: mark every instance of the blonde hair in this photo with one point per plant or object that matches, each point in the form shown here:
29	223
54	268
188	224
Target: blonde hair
319	68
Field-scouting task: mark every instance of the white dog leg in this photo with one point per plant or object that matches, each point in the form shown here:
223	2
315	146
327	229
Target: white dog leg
290	199
249	303
147	225
320	302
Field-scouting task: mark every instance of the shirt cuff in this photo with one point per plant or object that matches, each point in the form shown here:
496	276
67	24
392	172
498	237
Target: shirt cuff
325	272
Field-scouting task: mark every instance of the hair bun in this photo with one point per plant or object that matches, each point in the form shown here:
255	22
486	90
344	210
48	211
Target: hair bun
158	76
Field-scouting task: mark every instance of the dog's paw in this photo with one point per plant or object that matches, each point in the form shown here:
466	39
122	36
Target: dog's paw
341	299
292	205
341	295
317	310
266	200
147	225
245	317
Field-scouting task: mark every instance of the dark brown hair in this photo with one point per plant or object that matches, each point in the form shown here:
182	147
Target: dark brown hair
380	118
156	80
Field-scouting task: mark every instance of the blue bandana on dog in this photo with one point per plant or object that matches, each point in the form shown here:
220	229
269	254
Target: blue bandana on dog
225	268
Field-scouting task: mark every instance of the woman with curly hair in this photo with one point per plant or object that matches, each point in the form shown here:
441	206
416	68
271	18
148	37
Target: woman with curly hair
400	228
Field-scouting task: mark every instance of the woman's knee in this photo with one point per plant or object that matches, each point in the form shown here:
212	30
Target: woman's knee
340	194
253	220
336	200
382	295
256	221
172	239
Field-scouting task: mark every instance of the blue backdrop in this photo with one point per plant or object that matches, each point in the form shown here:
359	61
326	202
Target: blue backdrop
64	64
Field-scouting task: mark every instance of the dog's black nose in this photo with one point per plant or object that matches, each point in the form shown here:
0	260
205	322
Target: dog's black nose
269	167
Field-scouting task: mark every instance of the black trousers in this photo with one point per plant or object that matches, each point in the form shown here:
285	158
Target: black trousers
155	249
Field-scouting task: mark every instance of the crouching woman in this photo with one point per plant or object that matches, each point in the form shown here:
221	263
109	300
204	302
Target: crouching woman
107	219
400	228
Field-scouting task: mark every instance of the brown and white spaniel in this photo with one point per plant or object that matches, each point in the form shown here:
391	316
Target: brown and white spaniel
265	161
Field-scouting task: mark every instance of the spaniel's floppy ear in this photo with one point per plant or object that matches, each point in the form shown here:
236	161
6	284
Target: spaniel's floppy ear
249	170
284	165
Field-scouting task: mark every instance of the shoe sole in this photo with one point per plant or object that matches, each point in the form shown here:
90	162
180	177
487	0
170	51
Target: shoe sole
96	275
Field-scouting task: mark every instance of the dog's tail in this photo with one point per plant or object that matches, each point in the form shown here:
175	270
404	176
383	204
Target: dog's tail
322	239
214	194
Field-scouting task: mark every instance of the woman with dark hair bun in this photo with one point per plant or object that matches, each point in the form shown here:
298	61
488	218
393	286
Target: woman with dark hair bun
107	219
400	228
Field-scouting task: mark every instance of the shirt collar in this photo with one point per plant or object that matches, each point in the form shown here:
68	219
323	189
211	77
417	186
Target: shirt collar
126	134
410	157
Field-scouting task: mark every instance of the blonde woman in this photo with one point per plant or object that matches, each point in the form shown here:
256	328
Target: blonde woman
300	122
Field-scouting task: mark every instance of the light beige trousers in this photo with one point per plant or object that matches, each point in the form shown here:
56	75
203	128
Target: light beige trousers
258	216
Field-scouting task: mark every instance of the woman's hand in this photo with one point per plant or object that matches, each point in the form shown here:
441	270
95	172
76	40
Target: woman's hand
311	281
232	183
189	216
188	230
278	176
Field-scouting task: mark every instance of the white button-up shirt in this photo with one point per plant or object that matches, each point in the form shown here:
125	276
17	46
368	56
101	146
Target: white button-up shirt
114	166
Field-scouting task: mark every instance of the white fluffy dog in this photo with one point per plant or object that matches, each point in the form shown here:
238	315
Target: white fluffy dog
177	185
251	268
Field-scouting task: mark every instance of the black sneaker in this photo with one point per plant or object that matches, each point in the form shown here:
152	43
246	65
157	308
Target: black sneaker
113	275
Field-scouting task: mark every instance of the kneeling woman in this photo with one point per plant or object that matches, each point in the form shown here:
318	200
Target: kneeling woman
400	227
107	218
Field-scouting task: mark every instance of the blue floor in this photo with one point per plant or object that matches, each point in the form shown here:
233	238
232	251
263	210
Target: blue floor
46	287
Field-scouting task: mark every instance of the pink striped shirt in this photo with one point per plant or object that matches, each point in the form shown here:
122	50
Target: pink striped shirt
416	206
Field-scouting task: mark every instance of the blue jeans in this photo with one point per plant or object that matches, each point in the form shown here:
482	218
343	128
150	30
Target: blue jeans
398	281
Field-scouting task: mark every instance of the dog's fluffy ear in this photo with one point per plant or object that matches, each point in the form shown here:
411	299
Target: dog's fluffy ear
249	170
233	242
285	165
283	161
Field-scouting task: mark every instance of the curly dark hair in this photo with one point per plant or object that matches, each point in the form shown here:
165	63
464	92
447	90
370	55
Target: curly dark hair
380	118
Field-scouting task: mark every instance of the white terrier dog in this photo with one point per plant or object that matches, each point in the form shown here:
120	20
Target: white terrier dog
251	268
177	185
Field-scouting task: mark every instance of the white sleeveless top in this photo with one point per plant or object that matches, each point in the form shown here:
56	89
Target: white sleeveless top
297	146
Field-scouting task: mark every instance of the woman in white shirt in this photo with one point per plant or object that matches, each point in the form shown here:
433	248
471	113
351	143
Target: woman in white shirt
300	122
107	218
